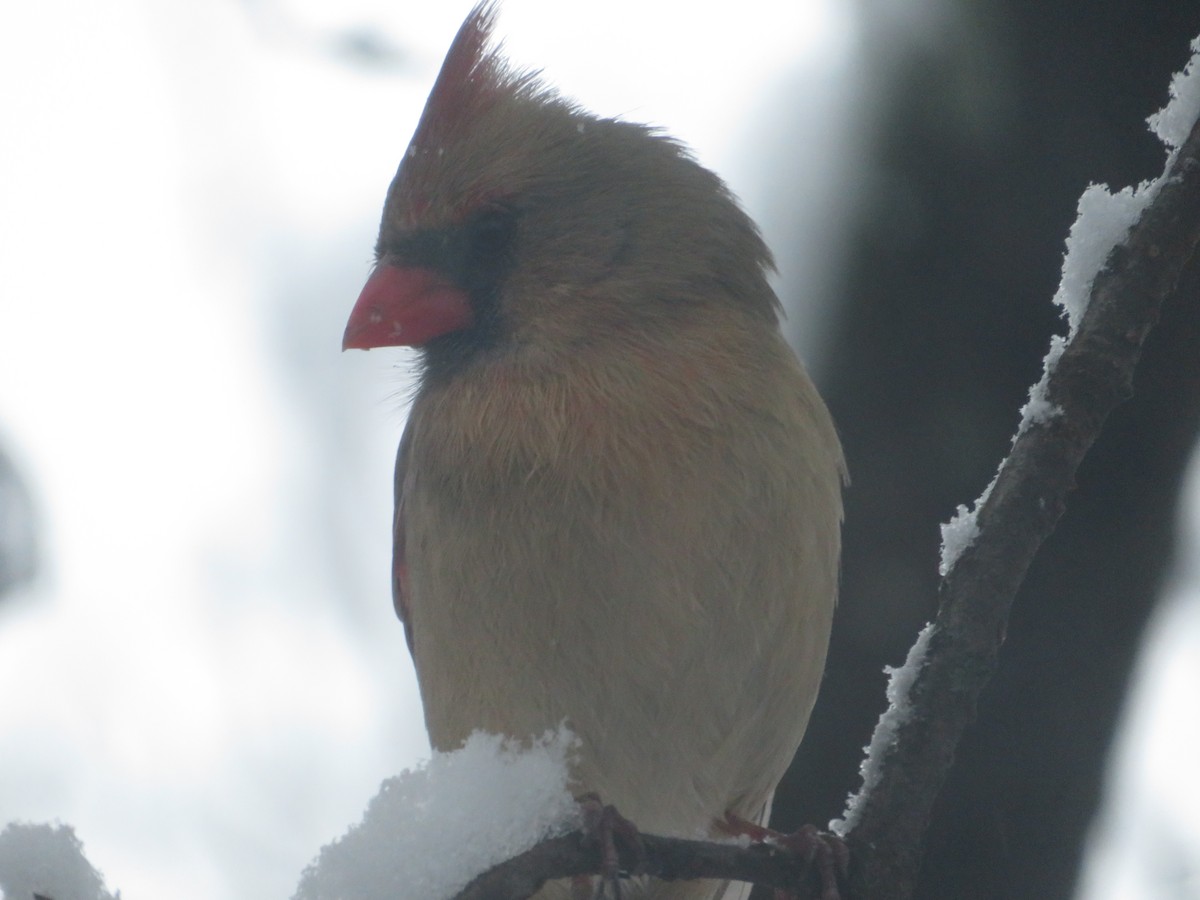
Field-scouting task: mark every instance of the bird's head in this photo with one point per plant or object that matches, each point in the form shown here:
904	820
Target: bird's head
517	219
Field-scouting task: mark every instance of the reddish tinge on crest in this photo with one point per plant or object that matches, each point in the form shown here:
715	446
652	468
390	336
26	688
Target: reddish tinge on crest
467	75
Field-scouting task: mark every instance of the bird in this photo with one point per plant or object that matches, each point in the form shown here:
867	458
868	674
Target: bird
618	494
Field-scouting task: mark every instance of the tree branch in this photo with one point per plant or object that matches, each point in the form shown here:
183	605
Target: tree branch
668	859
1094	374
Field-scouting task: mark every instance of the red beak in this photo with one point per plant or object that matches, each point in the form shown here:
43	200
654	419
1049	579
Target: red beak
405	308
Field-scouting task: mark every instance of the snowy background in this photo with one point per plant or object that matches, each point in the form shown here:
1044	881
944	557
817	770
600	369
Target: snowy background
206	679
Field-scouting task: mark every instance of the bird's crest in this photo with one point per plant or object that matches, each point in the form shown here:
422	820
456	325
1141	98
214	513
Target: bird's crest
471	76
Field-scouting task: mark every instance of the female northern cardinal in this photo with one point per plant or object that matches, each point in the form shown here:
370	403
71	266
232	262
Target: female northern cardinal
618	494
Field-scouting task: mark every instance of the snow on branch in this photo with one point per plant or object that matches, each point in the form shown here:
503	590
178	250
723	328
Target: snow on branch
1136	244
430	831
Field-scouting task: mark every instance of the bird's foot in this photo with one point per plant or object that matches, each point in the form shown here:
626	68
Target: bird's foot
826	851
603	825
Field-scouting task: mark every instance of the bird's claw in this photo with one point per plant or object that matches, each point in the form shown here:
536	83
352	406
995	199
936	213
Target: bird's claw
822	849
603	825
825	851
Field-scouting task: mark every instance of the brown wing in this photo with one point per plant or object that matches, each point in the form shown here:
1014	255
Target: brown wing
399	562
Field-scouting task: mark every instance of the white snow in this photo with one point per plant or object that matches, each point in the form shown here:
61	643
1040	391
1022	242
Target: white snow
424	836
430	830
1174	122
1039	410
46	861
900	681
960	532
1104	217
957	536
1103	221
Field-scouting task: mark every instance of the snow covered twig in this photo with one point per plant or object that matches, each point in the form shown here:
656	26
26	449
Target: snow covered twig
1086	378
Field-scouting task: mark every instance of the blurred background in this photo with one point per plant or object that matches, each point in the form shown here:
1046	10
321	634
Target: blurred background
200	669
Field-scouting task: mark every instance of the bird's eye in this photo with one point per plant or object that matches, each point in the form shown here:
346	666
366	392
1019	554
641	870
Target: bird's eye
492	232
